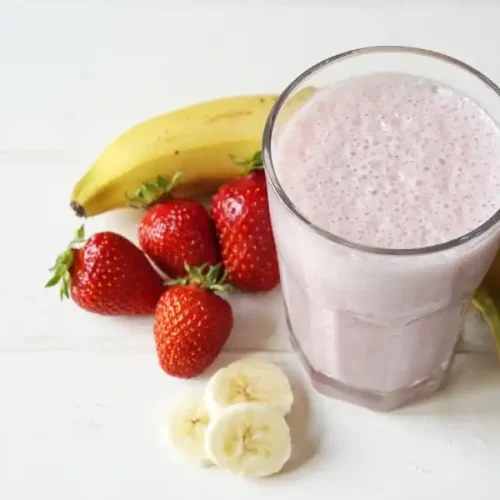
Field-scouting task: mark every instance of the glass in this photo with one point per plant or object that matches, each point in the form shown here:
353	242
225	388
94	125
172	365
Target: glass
375	326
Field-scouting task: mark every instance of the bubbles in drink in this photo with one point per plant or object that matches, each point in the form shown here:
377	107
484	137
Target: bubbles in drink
392	147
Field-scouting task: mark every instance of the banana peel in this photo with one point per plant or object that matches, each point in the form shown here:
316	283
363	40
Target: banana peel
487	301
197	140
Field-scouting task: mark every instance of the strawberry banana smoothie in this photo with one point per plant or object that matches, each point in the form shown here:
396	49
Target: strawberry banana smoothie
395	162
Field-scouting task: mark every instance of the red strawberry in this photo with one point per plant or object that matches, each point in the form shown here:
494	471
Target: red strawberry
107	275
192	324
174	231
241	214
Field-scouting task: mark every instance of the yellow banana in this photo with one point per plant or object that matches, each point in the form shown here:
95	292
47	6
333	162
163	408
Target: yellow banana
196	140
487	300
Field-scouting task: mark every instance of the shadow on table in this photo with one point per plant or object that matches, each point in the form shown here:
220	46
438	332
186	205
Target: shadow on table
305	442
472	388
124	221
258	322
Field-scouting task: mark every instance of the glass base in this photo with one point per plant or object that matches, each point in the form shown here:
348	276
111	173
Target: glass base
378	401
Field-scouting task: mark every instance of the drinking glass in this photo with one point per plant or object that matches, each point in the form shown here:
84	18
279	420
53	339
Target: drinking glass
375	326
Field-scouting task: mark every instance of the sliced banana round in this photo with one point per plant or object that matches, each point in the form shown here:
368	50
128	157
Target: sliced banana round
249	381
187	424
249	439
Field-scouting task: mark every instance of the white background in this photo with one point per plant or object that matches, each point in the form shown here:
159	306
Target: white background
82	399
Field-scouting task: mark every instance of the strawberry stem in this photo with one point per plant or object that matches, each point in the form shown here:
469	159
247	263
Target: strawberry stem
153	192
208	280
254	163
62	266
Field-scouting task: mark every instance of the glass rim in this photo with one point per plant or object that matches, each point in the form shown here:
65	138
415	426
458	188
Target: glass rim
295	212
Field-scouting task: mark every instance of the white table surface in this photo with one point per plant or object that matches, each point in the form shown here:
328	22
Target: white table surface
82	399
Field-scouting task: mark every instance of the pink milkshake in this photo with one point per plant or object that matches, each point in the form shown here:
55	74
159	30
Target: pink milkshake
384	188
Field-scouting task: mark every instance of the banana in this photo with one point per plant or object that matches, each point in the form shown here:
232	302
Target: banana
187	423
487	300
249	439
487	305
196	140
250	381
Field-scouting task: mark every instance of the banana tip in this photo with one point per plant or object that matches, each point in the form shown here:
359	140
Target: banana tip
78	209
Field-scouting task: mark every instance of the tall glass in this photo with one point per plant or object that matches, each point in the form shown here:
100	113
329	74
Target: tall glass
375	326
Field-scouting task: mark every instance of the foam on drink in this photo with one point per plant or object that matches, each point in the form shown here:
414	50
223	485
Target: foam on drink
393	161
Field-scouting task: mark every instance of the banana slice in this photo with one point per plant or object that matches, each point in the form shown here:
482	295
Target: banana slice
249	381
249	439
187	423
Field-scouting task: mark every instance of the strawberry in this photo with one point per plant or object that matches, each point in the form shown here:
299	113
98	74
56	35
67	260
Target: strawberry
241	214
174	231
191	323
108	275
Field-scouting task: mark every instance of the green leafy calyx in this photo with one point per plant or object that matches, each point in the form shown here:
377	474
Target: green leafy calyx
153	192
62	266
210	279
254	163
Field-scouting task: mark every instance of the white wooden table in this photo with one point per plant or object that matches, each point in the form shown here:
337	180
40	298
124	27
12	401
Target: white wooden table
82	399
